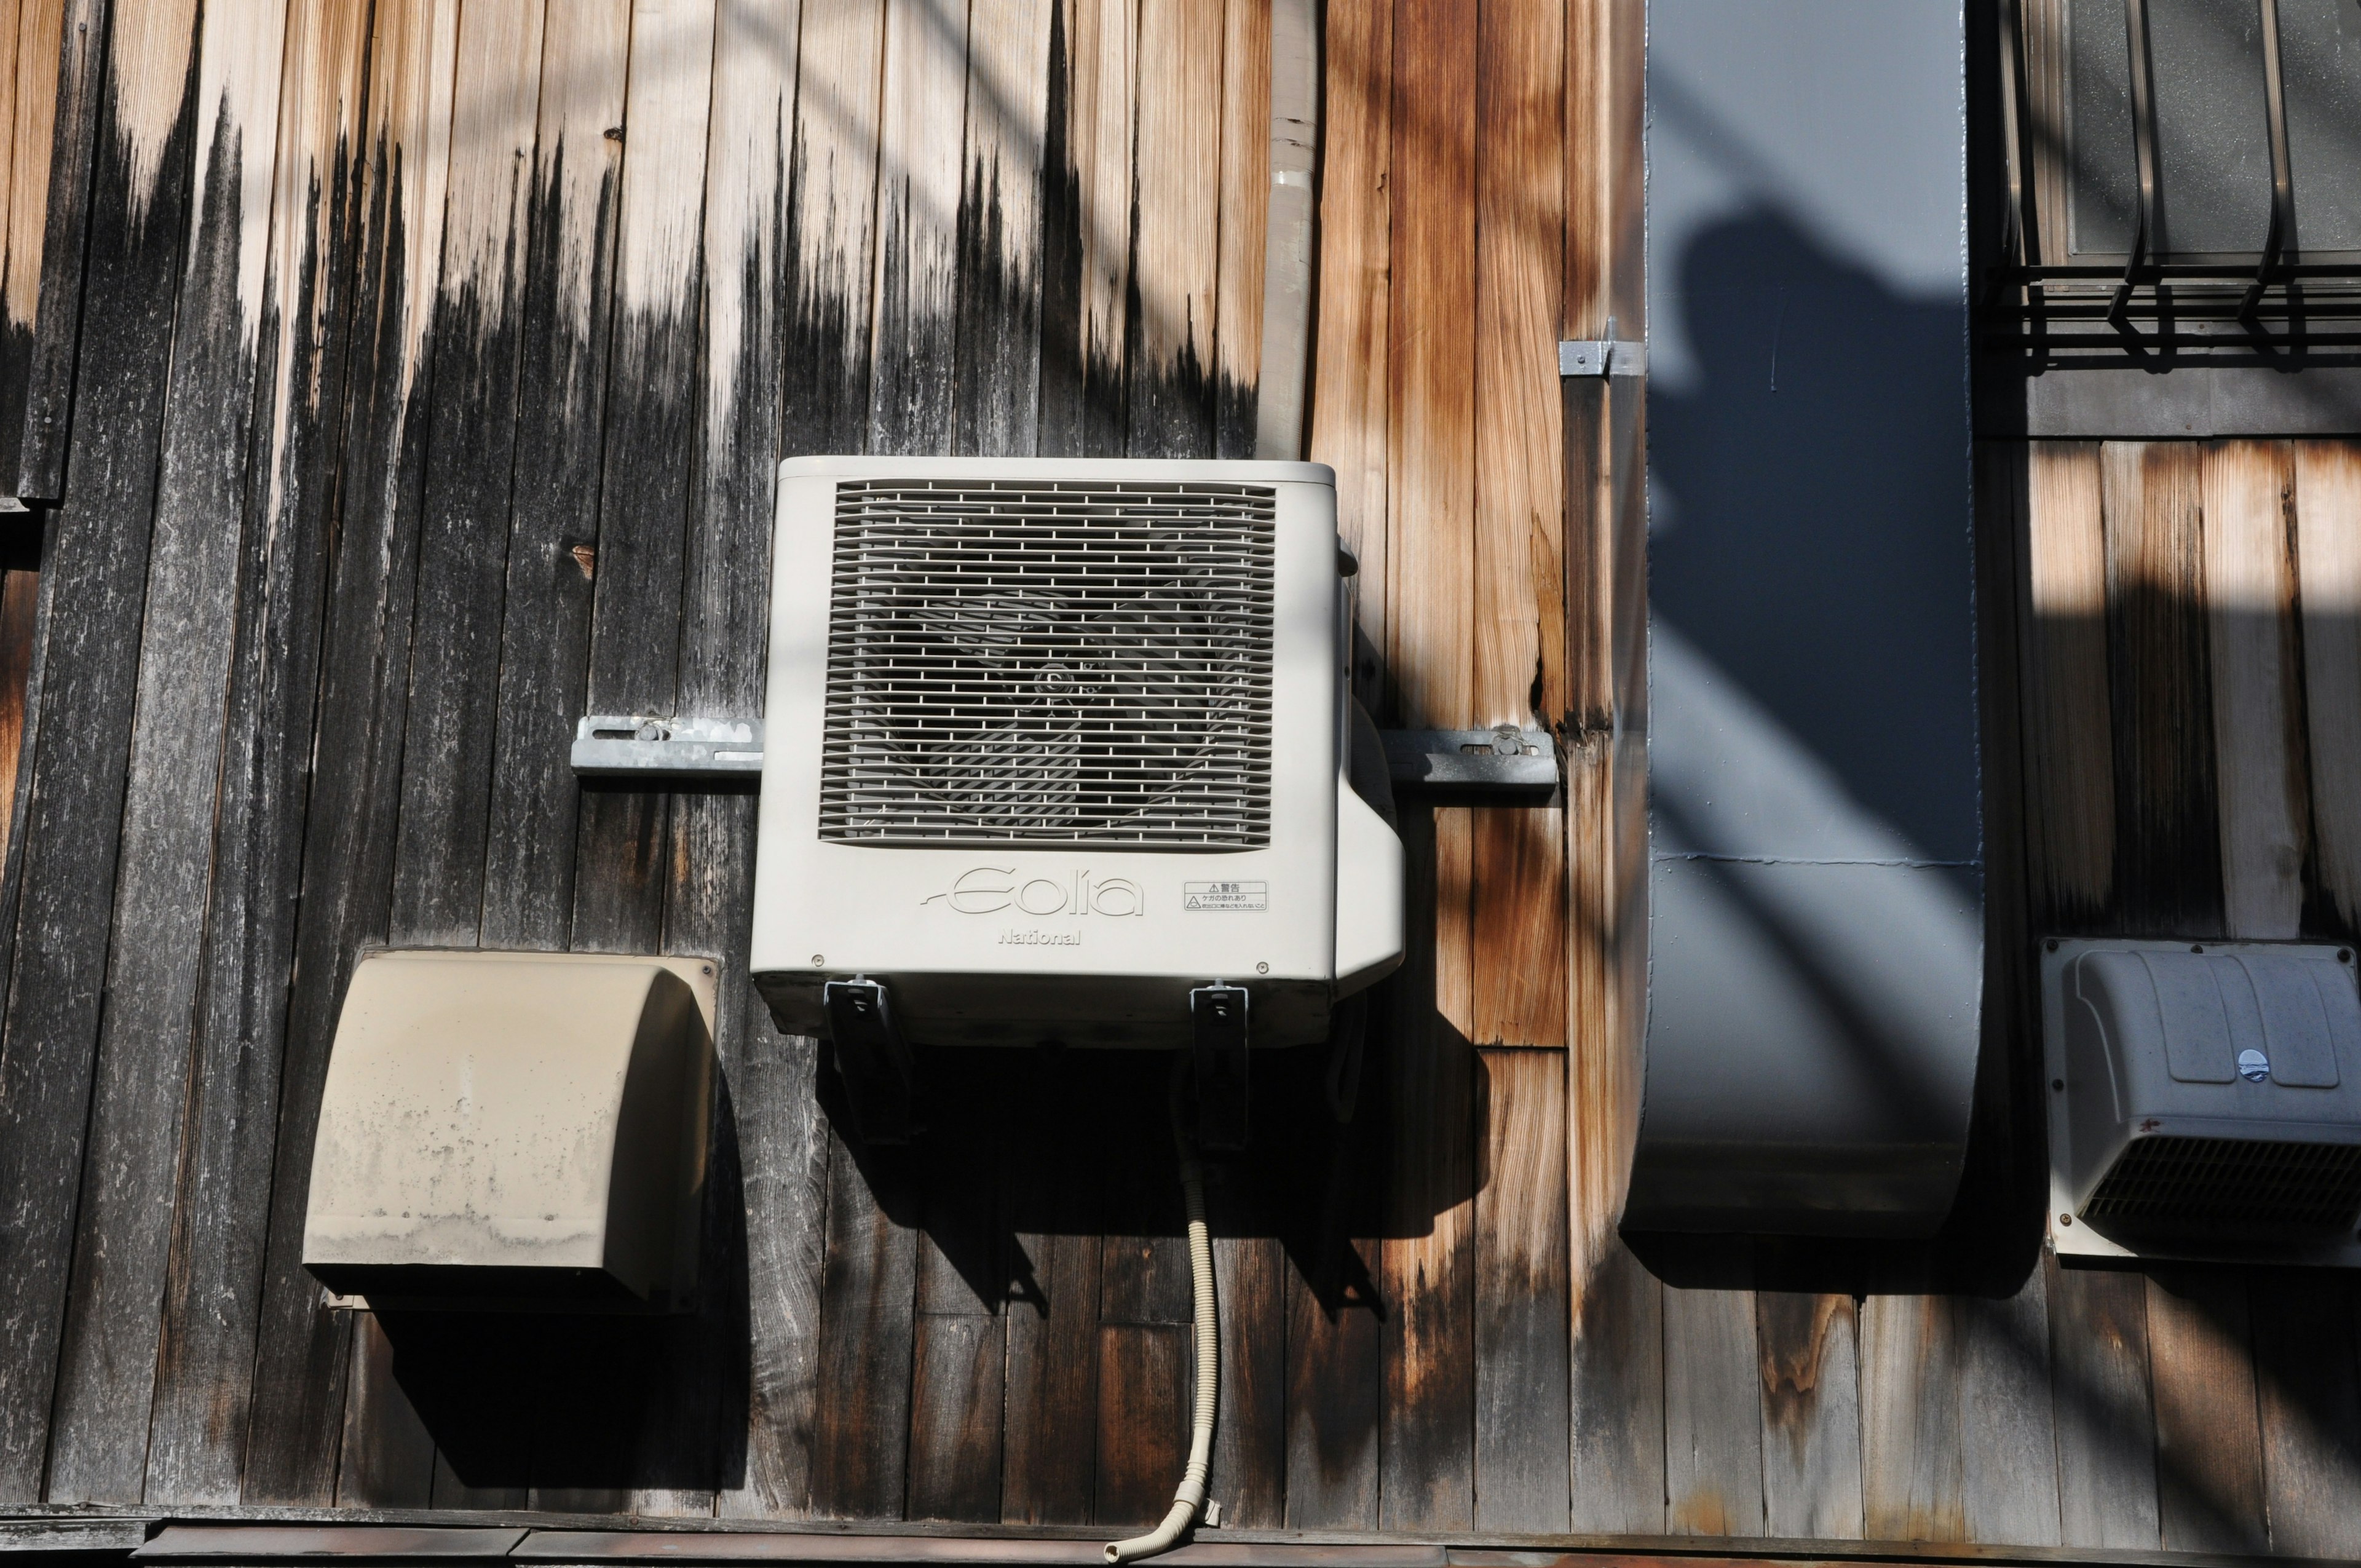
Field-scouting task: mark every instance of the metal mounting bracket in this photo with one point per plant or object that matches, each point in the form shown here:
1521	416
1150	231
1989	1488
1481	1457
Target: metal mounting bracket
637	745
1504	764
1217	1020
873	1060
1601	356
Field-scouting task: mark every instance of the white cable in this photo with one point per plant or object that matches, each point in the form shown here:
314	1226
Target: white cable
1191	1496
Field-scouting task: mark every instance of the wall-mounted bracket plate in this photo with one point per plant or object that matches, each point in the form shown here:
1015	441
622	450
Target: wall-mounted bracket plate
1601	356
626	745
1505	764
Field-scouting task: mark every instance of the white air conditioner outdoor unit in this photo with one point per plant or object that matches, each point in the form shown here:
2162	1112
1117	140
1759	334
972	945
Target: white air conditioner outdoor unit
2205	1100
1056	748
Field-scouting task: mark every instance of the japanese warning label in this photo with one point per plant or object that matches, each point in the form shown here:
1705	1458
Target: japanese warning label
1226	896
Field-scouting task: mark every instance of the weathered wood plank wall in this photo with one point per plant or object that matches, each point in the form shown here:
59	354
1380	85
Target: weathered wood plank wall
438	353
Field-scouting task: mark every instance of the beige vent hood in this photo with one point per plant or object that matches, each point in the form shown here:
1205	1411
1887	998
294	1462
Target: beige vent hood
520	1130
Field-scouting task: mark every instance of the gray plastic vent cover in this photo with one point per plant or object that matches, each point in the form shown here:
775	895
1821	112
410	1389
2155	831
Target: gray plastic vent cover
2205	1100
1049	663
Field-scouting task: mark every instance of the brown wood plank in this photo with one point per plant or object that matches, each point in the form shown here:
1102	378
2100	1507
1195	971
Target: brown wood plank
1349	418
1176	253
998	409
2209	1460
2250	585
955	1417
1523	1419
2328	558
389	1455
61	79
1335	1353
921	118
527	882
2008	1447
1049	1451
95	580
1426	1479
2062	661
20	598
1713	1414
463	545
303	1350
1912	1482
861	1431
646	472
1087	227
1810	1368
834	228
2168	822
1246	200
2106	1419
1251	1424
197	1437
2308	1381
1142	1420
771	1141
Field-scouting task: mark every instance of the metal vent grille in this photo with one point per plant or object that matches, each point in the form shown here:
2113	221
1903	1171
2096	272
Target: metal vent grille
2231	1180
1049	663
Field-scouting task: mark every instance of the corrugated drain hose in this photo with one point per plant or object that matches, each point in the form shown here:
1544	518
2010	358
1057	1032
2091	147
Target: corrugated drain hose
1191	1496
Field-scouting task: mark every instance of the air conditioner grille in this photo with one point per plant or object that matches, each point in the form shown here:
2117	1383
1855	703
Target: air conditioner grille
2231	1180
1049	663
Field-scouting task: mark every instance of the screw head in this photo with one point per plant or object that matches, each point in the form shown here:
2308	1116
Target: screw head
2065	1219
817	960
1262	969
2344	955
2196	947
704	969
2051	943
2059	1084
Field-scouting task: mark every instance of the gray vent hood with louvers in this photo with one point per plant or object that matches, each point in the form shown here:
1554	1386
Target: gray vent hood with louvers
2205	1100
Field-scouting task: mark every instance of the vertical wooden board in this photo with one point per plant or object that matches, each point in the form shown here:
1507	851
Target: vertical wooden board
1335	1352
921	118
1523	1419
997	410
388	1455
1246	198
303	1350
61	78
1050	1444
20	596
1809	1352
1619	1418
955	1417
1349	393
446	783
1911	1472
1176	228
1518	987
108	1359
2248	502
197	1435
2064	698
1142	1420
1431	441
2102	1413
867	1280
2008	1448
2309	1383
833	228
647	460
21	79
1088	226
1251	1424
2209	1460
1713	1414
769	1120
528	876
1426	1477
2167	847
2328	560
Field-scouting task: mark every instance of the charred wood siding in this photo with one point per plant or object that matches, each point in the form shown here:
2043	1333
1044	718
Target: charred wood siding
435	359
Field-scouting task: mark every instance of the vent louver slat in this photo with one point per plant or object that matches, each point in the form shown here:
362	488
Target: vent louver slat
2238	1181
1050	664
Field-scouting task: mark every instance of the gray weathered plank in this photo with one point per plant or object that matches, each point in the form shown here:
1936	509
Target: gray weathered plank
2008	1450
1810	1368
1523	1419
2308	1381
1713	1414
1912	1478
2209	1460
2099	1396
